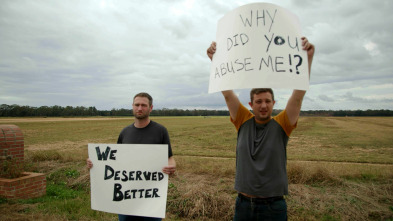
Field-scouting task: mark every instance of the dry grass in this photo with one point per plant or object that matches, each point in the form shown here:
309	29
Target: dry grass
192	197
352	201
346	139
299	174
338	168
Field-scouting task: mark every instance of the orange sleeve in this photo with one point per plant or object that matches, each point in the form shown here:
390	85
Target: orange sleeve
283	120
243	114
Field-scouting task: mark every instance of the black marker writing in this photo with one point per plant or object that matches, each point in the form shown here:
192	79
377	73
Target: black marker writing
138	175
243	38
104	155
237	65
279	41
260	15
119	195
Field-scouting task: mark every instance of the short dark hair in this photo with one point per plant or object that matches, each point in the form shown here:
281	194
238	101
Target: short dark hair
146	95
260	90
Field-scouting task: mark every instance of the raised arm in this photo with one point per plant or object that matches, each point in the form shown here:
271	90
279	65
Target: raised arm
231	99
295	101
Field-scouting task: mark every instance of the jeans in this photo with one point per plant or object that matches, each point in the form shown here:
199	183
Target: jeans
247	210
137	218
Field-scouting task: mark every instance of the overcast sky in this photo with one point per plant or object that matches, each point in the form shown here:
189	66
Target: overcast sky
100	53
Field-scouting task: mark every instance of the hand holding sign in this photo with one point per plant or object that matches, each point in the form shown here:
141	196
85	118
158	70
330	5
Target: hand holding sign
258	45
211	50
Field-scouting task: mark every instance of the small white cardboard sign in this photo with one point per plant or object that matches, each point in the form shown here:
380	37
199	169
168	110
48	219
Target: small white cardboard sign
128	179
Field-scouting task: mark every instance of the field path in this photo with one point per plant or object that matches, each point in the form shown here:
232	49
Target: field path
303	161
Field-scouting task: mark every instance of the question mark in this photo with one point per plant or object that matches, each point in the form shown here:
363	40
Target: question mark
299	63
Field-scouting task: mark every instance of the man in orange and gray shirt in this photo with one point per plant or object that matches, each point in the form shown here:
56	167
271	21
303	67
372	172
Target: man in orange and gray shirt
261	176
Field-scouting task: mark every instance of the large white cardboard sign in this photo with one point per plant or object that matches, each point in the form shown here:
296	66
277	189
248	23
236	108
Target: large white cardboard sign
259	45
128	179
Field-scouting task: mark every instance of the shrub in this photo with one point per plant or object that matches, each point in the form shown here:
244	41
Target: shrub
10	168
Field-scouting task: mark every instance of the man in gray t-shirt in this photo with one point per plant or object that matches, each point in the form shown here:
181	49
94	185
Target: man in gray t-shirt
261	176
144	131
153	133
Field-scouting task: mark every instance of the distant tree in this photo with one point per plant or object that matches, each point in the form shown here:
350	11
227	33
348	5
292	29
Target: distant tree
58	111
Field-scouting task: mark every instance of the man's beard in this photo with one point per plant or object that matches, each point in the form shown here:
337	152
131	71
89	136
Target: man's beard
263	118
141	117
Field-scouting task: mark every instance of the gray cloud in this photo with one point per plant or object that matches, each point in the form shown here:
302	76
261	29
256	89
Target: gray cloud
98	53
324	97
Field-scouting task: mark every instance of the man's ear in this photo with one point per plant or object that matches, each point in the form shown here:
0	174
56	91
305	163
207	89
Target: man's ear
249	103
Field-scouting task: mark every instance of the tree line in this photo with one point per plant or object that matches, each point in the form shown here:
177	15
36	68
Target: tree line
69	111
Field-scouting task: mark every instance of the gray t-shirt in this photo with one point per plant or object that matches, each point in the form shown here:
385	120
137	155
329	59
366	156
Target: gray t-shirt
153	133
261	155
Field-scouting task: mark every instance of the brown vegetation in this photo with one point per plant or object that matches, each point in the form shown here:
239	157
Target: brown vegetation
337	168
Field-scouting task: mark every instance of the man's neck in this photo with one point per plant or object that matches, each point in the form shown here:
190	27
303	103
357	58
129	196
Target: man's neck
141	123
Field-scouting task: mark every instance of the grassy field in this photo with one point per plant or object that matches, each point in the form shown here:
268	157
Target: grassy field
338	168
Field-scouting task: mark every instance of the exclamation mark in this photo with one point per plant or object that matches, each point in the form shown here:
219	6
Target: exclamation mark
290	63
